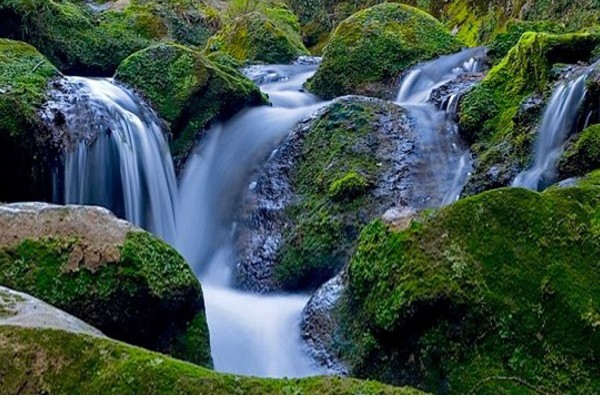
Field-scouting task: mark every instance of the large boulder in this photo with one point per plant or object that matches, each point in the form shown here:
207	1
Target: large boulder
332	175
34	361
187	89
583	155
369	50
26	147
271	37
466	300
117	278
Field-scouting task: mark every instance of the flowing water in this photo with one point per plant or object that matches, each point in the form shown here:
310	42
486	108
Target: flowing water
558	123
444	161
250	334
119	158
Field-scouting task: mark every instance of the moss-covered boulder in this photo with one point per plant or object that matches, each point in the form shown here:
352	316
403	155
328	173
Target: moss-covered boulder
25	146
469	300
372	47
35	361
583	155
83	39
258	37
119	279
187	89
500	115
327	180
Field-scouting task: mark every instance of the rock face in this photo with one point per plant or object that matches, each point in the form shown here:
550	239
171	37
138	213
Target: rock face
583	155
20	309
368	51
117	278
330	177
466	300
27	149
259	38
187	90
34	361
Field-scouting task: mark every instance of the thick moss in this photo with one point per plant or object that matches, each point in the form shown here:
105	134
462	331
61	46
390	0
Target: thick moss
494	116
374	46
272	38
147	298
79	40
583	156
56	362
187	89
24	78
468	300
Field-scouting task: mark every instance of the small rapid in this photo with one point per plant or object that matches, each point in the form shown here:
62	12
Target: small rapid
558	123
444	160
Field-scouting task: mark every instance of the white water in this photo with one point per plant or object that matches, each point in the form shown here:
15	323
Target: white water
444	162
558	123
250	334
120	159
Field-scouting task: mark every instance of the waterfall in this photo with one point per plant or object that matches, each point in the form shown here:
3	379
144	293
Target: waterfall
118	157
558	123
250	333
444	161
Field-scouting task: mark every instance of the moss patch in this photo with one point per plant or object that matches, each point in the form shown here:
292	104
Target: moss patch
374	46
583	156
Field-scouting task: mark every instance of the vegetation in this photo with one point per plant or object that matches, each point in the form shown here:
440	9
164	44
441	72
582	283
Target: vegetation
583	156
370	49
56	362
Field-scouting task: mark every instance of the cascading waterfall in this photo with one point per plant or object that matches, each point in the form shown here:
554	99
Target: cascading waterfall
118	157
558	123
250	334
444	162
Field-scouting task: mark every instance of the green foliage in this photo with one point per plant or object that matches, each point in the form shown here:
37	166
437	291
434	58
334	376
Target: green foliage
271	36
372	47
348	187
56	362
583	156
187	89
469	301
147	298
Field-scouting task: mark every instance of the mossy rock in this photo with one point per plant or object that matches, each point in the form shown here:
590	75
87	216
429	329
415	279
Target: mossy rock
187	89
25	148
81	40
117	278
259	38
497	293
47	361
370	49
583	156
497	116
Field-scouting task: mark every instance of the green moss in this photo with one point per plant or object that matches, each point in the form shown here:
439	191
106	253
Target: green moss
374	46
187	89
348	187
271	38
56	362
492	115
469	301
147	298
24	78
583	156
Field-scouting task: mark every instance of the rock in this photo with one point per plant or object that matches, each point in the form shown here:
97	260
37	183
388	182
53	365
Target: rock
27	149
370	49
115	277
336	171
187	90
34	361
583	155
20	309
399	219
467	300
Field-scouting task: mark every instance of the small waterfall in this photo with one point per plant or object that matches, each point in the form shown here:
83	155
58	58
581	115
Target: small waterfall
445	161
250	334
558	123
118	157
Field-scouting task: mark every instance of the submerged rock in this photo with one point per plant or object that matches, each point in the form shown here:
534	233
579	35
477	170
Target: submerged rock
118	278
335	172
368	51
